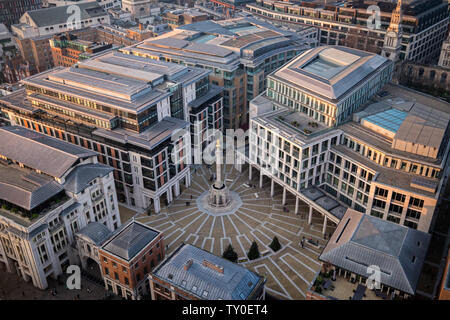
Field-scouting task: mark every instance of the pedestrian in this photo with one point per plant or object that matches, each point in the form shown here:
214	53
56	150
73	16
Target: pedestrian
23	293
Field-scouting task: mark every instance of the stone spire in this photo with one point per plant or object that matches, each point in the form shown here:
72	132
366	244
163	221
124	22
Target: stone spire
396	18
393	39
218	183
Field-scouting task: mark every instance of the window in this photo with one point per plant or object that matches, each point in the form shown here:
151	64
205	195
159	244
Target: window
395	208
414	214
416	202
116	275
393	219
398	197
379	203
381	192
410	224
126	281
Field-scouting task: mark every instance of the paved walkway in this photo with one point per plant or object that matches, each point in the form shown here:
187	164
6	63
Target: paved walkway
13	287
289	271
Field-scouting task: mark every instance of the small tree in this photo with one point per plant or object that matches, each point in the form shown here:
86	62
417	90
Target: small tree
253	253
230	254
275	245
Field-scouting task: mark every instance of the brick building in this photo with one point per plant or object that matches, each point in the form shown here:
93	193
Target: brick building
67	49
16	69
128	257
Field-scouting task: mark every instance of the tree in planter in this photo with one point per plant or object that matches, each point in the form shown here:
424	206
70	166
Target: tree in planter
275	245
230	254
253	253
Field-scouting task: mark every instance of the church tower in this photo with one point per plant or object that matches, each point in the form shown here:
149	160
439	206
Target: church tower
393	38
138	8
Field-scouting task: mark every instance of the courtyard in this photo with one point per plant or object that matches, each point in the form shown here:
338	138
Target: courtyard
259	217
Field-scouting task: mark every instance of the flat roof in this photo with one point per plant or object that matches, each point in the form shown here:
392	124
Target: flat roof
148	139
216	43
330	71
121	81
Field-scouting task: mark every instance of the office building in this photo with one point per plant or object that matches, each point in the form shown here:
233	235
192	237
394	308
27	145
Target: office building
334	132
407	31
67	49
128	256
35	29
12	10
239	52
130	110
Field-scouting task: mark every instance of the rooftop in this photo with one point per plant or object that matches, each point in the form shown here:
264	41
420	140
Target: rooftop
207	276
148	139
129	240
96	231
118	80
361	240
219	43
25	188
330	72
80	177
61	14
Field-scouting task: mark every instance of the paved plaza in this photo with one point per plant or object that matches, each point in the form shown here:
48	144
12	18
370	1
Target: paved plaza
259	218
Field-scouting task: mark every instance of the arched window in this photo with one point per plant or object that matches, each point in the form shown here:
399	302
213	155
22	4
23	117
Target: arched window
444	77
432	75
421	71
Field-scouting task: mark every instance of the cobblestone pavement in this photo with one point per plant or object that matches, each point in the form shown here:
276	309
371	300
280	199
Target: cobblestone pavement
289	271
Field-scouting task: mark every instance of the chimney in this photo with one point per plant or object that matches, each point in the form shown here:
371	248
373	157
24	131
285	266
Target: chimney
188	264
213	266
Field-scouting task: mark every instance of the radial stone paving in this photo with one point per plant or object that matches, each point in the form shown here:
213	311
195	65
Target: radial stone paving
253	216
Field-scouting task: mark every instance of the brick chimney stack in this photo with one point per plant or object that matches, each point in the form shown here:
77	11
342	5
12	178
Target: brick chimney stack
188	264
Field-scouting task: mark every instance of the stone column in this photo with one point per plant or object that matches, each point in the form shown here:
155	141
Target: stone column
272	188
157	205
310	214
261	176
188	179
324	228
169	195
249	172
284	196
177	188
296	205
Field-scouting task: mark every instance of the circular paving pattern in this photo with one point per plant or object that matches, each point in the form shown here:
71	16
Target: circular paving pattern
254	216
204	206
